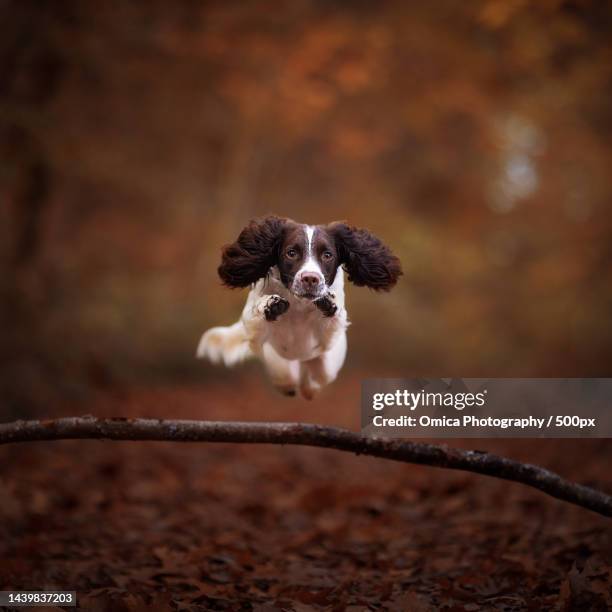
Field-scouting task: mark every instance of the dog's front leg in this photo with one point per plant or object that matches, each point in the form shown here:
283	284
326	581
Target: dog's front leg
272	307
327	304
260	312
331	333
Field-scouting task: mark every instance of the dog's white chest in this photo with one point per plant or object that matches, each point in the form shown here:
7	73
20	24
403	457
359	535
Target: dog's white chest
297	334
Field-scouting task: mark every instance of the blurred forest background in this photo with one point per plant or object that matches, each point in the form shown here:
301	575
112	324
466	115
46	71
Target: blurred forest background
136	138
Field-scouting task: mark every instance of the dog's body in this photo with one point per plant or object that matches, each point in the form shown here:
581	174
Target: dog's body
300	349
295	319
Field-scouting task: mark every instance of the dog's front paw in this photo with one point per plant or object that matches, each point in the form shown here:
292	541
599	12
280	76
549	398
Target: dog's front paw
275	307
327	305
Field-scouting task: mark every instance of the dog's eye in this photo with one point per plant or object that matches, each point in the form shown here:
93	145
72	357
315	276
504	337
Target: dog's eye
327	255
291	253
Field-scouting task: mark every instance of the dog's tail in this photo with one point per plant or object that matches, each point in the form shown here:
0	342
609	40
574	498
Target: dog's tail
228	345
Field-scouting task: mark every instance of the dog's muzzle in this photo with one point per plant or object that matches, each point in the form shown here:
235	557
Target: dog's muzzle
309	285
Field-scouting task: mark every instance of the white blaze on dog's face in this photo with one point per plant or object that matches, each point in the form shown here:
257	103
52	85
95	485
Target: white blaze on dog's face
308	261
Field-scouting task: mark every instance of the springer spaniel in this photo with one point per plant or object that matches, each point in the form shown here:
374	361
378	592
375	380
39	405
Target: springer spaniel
294	319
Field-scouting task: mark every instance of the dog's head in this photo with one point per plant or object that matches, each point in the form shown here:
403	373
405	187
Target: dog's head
308	256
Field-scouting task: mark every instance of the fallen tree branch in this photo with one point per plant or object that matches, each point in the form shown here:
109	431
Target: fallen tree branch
309	435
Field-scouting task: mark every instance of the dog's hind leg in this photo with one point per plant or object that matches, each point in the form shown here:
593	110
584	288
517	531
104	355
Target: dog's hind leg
284	374
318	372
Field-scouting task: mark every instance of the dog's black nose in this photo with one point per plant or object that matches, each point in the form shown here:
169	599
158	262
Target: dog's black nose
310	281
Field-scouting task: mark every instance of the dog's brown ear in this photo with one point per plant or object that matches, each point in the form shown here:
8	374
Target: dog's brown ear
253	254
366	259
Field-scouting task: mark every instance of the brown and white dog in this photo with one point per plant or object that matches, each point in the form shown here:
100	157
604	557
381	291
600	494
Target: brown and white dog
294	319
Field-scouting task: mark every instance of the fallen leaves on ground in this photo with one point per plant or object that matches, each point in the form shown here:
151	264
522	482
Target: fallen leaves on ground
159	526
